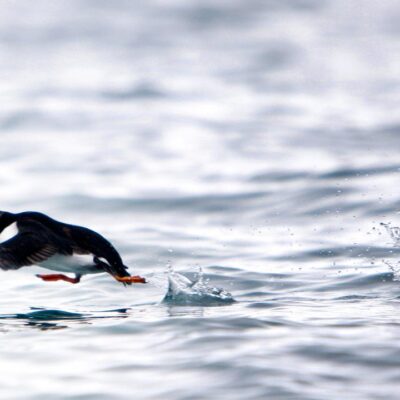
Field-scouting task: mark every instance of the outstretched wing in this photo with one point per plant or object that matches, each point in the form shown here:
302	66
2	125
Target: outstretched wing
24	249
33	244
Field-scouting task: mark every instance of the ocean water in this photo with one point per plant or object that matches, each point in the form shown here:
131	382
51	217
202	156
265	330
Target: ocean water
240	154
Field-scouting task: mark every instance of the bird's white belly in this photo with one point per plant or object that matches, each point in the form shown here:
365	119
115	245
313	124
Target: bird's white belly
77	264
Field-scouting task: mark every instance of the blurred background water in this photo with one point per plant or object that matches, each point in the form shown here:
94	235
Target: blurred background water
258	140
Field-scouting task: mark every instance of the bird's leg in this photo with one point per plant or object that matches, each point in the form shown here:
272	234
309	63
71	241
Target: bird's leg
130	279
59	277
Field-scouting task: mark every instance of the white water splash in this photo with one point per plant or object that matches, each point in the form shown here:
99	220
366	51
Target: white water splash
394	232
183	291
395	268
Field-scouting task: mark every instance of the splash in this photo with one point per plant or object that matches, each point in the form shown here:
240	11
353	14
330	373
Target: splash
394	232
183	291
395	268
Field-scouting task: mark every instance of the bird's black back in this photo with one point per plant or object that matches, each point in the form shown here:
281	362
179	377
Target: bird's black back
81	240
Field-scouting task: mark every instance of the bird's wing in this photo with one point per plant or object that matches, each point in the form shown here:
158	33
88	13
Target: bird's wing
33	244
24	249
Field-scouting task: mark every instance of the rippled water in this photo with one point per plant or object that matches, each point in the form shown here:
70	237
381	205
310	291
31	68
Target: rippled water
256	140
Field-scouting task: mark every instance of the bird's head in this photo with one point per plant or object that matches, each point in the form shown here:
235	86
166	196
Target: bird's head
6	219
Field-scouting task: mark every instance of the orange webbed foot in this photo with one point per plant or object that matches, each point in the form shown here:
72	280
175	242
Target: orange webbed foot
130	279
59	277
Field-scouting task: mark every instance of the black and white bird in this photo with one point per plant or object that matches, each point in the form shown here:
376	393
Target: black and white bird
43	241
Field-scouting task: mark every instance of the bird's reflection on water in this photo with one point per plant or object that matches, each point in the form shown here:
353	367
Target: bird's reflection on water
45	326
45	320
182	311
52	319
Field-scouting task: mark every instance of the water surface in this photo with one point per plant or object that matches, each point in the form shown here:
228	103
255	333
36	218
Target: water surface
257	140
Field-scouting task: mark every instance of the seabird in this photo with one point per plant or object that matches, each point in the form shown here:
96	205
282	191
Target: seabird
57	246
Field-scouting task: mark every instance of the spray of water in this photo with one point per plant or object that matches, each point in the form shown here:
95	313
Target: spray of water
183	291
394	232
